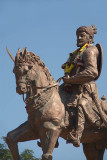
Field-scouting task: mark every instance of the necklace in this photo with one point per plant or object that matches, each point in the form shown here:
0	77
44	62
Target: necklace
68	66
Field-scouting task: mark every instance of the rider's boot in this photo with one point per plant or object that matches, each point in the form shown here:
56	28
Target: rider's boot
75	138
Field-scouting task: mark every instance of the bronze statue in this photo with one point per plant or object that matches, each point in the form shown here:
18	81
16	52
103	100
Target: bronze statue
82	70
72	110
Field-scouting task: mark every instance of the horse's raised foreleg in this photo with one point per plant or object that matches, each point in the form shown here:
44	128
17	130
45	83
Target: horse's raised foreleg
49	134
23	133
92	152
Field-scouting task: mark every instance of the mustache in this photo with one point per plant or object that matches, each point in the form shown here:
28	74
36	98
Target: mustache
80	41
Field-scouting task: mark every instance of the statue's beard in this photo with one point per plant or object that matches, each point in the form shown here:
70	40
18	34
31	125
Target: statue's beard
80	44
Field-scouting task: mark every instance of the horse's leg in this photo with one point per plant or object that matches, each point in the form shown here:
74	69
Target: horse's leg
49	134
23	133
92	152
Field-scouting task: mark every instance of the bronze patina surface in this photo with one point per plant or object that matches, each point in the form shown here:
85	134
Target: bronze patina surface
72	111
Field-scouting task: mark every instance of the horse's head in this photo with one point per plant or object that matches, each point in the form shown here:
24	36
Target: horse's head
25	70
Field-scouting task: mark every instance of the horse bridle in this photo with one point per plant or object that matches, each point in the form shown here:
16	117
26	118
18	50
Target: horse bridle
44	88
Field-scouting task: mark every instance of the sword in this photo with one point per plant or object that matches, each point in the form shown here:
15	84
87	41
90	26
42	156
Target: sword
99	104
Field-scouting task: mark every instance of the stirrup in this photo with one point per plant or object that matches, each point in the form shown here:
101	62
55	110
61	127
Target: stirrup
74	140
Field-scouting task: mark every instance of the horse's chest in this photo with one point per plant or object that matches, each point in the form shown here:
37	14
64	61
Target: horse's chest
47	107
38	102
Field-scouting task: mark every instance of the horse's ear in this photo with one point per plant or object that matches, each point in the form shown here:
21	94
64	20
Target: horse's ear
24	51
17	54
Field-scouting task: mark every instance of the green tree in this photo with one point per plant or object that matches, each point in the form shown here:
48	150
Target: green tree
27	154
5	153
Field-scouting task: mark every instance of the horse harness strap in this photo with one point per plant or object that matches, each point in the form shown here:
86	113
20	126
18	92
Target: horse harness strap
45	88
54	83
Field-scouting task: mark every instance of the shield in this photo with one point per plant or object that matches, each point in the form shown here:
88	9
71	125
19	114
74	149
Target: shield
99	60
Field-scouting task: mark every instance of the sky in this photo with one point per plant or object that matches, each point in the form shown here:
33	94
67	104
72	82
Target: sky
47	28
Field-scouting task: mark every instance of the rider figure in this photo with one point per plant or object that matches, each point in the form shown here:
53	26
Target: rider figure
81	71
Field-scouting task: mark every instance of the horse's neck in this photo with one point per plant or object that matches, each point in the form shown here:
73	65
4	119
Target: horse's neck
41	80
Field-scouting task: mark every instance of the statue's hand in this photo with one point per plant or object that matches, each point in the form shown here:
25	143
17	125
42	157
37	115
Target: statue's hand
66	79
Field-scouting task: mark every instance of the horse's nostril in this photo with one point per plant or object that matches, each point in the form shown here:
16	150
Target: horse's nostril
23	88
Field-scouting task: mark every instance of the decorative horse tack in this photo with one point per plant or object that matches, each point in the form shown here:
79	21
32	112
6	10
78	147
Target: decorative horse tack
45	88
47	121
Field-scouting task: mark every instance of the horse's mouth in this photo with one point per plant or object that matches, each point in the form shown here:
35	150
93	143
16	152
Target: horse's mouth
21	89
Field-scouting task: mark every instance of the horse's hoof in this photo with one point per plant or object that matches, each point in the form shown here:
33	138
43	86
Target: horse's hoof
46	156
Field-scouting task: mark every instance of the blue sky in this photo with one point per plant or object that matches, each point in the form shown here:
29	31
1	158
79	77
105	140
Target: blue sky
47	28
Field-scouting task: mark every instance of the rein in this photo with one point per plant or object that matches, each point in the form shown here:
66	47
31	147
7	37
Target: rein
54	83
45	88
49	86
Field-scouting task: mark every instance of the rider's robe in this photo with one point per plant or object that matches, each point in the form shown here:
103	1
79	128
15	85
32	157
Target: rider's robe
83	84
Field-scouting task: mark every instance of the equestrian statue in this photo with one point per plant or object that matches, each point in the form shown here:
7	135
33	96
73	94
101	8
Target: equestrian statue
72	110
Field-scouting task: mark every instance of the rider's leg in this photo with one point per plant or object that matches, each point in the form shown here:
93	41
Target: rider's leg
75	139
84	111
20	134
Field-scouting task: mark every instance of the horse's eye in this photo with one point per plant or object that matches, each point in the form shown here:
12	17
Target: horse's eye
30	67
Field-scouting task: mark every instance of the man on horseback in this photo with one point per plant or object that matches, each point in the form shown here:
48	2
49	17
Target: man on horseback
82	68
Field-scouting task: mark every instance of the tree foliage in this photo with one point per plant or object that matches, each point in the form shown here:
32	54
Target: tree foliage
5	153
27	155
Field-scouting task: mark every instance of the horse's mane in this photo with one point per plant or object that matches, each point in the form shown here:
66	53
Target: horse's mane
31	59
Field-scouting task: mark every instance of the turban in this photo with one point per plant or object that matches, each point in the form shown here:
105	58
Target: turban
90	30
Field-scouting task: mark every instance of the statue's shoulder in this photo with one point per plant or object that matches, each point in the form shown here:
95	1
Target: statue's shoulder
92	50
96	50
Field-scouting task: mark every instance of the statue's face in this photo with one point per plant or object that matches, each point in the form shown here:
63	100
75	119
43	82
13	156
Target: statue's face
83	38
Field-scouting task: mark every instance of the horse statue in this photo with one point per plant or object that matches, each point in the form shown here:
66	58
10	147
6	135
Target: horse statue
48	118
